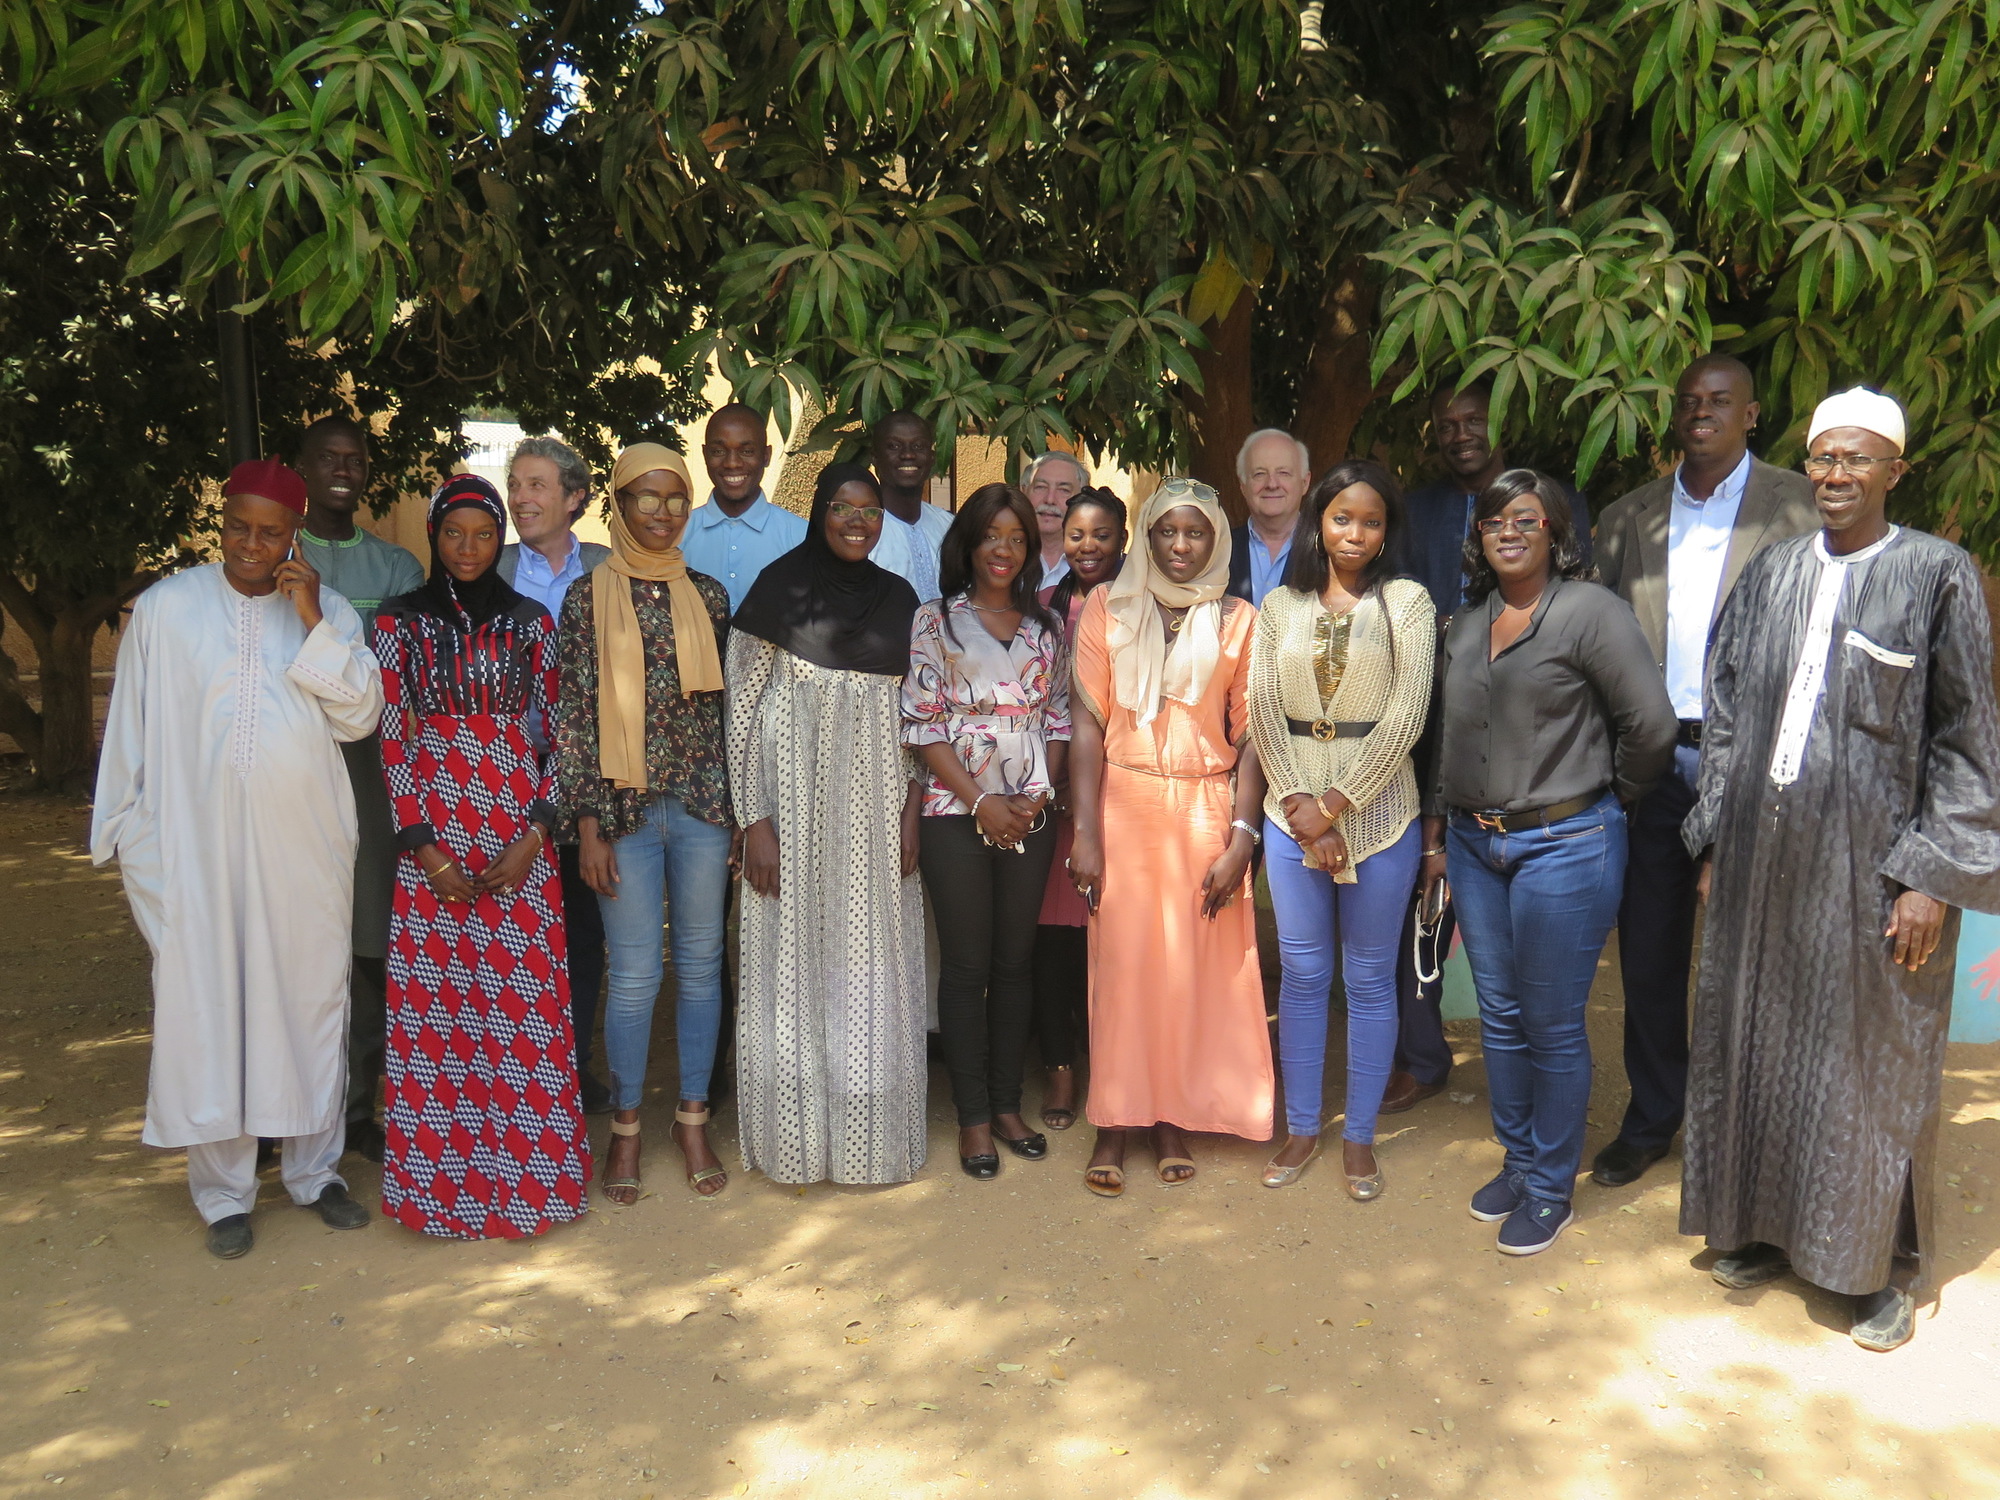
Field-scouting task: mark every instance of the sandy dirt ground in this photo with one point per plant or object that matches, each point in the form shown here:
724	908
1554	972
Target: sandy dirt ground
945	1338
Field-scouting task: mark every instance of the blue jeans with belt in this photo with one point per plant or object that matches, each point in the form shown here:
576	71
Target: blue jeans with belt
1366	919
1534	909
673	866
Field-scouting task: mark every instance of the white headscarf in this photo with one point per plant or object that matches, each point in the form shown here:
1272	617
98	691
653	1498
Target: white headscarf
1871	411
1146	666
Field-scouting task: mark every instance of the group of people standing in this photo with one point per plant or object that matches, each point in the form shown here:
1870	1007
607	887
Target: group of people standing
1063	739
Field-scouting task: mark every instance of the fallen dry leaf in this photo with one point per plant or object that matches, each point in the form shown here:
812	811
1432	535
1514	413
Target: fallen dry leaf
156	1401
1365	1322
926	1406
1007	1369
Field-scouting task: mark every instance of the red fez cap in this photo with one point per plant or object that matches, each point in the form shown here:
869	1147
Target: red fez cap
272	480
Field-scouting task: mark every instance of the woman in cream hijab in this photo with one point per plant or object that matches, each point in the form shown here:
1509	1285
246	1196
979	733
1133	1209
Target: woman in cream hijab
641	766
1166	789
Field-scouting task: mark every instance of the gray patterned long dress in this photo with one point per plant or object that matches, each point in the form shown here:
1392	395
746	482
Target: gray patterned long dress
830	1063
1814	1087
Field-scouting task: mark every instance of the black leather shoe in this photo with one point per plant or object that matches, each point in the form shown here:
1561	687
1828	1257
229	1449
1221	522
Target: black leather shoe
1753	1265
1620	1163
984	1168
596	1097
1028	1147
230	1237
1884	1320
365	1139
337	1210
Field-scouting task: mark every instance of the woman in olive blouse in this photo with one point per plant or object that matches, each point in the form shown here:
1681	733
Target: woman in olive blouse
1555	715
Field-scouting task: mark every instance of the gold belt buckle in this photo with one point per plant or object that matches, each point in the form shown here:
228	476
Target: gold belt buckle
1324	730
1493	823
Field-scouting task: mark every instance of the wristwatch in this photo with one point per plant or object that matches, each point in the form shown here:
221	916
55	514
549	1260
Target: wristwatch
1255	837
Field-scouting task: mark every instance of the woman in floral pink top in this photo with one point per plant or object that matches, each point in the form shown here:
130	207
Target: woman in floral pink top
986	705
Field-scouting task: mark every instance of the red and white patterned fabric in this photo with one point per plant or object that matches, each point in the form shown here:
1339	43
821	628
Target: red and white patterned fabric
484	1122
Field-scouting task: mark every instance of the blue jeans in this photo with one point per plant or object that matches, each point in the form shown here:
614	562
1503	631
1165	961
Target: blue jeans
1367	920
1534	909
678	866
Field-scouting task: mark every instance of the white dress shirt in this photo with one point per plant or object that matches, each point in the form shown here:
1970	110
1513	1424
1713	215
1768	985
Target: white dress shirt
1698	535
910	550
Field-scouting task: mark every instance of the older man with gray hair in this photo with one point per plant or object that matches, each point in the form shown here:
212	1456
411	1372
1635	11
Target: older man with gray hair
1050	483
548	485
1275	472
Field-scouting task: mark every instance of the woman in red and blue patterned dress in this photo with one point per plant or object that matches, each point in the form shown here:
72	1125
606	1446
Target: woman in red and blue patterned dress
484	1122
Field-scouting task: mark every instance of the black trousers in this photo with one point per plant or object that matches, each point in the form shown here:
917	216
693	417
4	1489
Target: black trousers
988	903
1655	950
1421	1048
585	930
367	1035
1062	993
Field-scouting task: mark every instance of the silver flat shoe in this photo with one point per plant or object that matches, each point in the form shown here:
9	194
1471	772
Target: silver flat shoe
1276	1176
1362	1189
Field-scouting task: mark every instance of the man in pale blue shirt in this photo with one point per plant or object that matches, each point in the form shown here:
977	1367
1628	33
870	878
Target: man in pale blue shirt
904	452
1275	472
738	533
548	485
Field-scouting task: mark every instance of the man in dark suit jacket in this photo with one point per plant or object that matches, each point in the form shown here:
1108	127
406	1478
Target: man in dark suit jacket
1673	549
1275	472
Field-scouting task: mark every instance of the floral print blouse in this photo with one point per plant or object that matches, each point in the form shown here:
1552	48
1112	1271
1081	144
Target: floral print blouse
684	743
997	704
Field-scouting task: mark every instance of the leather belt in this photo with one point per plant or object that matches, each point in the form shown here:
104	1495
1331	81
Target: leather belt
1690	734
1540	817
1326	730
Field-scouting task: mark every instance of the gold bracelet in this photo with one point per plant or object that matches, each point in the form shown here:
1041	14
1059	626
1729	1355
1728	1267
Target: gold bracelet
1320	803
1429	852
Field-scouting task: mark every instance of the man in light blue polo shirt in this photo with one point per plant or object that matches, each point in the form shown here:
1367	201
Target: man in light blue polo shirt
738	533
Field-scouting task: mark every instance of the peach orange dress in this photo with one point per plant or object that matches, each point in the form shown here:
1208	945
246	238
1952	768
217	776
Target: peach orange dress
1177	1028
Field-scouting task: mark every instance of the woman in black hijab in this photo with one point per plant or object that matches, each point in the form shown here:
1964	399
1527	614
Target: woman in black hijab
830	1008
484	1134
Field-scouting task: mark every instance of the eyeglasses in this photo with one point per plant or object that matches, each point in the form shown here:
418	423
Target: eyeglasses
840	510
1860	465
1494	525
675	506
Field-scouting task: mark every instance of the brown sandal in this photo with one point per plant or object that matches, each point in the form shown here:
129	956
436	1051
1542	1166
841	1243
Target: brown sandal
706	1174
1112	1189
1059	1117
1175	1161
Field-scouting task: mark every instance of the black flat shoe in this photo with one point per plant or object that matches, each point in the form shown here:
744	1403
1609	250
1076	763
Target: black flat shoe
1028	1147
1884	1320
1754	1265
983	1168
1619	1163
230	1237
594	1096
365	1140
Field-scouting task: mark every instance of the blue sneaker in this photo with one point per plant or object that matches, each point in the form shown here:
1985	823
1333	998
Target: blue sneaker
1533	1227
1500	1197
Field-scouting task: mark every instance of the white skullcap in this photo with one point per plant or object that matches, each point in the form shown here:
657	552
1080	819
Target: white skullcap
1871	411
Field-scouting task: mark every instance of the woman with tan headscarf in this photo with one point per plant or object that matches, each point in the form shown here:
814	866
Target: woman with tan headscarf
641	765
1166	789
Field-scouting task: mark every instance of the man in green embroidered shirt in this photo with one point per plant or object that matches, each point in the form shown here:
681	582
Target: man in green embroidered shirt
364	570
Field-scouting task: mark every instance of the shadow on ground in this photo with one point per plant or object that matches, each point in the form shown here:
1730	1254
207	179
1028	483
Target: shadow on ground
945	1338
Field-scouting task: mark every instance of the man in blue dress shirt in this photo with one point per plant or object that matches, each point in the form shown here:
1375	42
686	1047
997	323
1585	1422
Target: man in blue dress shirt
1275	472
548	485
738	533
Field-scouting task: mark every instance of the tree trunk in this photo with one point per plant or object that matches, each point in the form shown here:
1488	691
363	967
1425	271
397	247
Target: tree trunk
1337	388
1220	417
68	759
63	624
